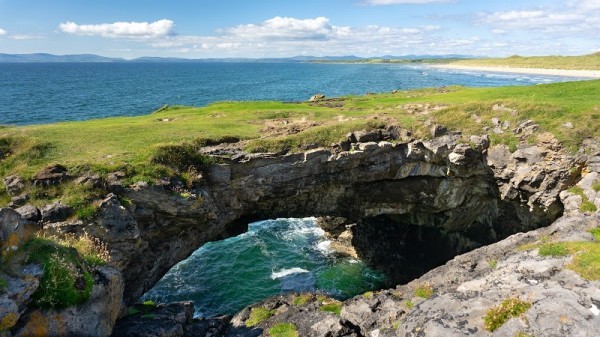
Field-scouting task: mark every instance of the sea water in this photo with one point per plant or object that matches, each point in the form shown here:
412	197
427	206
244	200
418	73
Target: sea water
273	257
35	93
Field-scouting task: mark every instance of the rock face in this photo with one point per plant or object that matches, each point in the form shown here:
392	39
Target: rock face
436	188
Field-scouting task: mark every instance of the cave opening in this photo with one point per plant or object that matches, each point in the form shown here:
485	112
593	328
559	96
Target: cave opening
272	257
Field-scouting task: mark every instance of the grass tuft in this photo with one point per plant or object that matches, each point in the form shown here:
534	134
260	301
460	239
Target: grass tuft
334	308
302	299
424	291
283	330
509	308
258	315
553	249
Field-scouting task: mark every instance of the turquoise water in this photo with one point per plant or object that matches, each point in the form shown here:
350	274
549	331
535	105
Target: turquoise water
273	257
53	92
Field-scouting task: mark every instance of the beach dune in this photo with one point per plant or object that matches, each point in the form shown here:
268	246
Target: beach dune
536	71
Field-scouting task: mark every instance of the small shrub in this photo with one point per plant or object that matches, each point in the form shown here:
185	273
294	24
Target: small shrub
424	291
596	233
409	304
3	284
596	185
493	263
553	249
509	308
283	330
180	157
368	295
93	250
335	308
257	315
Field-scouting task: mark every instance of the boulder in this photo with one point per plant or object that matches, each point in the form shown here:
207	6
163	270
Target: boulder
51	175
56	212
14	185
29	213
368	136
14	230
438	130
88	179
19	200
317	97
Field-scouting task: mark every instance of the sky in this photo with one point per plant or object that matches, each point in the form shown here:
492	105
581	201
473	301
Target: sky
285	28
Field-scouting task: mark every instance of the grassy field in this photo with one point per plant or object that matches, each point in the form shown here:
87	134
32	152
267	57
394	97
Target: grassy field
143	146
585	62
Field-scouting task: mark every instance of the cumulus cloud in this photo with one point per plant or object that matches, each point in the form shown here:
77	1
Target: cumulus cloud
284	28
397	2
155	29
3	32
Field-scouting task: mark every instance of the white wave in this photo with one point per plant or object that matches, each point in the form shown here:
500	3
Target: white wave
286	272
324	247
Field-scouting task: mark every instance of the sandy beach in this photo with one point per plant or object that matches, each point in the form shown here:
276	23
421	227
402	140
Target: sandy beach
536	71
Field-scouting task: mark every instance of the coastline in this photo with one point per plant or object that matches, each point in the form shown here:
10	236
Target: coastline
533	71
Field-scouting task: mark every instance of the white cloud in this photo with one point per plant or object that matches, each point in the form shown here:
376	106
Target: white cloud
284	28
3	32
121	29
25	37
397	2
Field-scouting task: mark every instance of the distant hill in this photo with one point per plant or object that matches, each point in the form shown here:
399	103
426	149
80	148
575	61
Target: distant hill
42	57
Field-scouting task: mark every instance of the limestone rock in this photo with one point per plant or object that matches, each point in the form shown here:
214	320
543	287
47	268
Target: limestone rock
96	317
87	179
56	212
51	175
14	185
29	213
18	200
9	313
438	130
164	321
317	97
14	230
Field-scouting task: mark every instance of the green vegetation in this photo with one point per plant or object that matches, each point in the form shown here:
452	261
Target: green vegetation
492	263
257	315
67	264
302	299
409	304
553	249
3	284
596	185
368	295
586	255
424	291
586	204
509	308
283	330
334	307
584	62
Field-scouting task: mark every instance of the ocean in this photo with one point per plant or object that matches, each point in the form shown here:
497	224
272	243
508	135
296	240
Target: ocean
37	93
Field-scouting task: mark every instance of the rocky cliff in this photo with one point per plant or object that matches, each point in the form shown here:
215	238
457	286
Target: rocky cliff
403	206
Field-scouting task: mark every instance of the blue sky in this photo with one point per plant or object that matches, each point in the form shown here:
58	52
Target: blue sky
280	28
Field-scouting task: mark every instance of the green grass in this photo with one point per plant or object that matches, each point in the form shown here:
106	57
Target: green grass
283	330
584	62
586	204
493	263
553	249
586	255
424	291
3	284
368	295
66	280
334	308
596	185
509	308
409	304
258	315
302	299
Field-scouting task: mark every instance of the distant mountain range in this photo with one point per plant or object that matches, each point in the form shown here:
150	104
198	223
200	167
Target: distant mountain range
43	58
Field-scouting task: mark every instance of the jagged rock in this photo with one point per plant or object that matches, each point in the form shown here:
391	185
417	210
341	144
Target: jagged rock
317	97
496	121
14	185
438	130
480	142
18	201
51	175
22	283
96	317
568	125
88	179
29	213
56	212
526	129
367	136
114	182
160	321
9	313
117	219
14	230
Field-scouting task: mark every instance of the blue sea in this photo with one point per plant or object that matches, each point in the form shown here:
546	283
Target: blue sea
36	93
274	256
